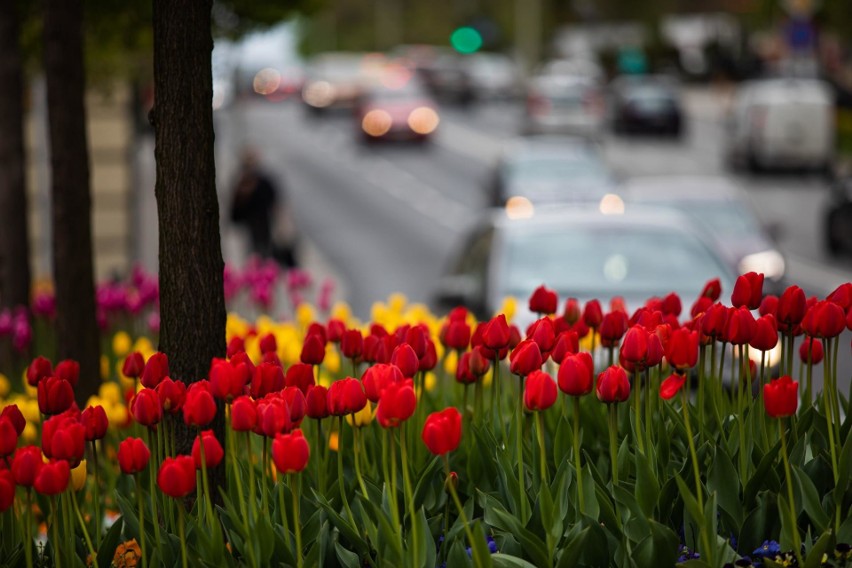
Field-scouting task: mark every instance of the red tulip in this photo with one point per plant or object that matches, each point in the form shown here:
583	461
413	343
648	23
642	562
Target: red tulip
64	438
172	395
781	397
268	344
335	329
313	349
791	306
613	385
243	414
13	414
242	357
463	372
8	437
39	369
575	374
316	402
672	305
352	344
748	291
442	431
655	350
682	349
267	378
479	363
634	348
295	401
842	296
525	358
712	289
7	490
273	416
25	465
765	335
567	343
95	423
318	329
429	360
543	332
291	452
571	314
739	327
456	335
612	328
811	349
155	370
405	358
69	369
715	321
213	452
376	378
227	381
52	478
417	336
176	477
396	404
199	408
592	314
55	395
543	301
825	319
146	409
346	396
495	333
672	385
539	391
235	345
133	455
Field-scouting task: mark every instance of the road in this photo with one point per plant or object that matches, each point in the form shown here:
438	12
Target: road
386	218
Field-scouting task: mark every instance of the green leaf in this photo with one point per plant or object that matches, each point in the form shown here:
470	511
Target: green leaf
690	501
351	535
265	538
547	509
814	559
724	481
844	471
507	561
480	545
571	551
426	538
658	549
764	478
787	528
106	549
647	488
534	548
589	494
811	501
346	557
458	556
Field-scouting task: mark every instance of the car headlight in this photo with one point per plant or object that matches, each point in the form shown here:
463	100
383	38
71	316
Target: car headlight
768	262
771	358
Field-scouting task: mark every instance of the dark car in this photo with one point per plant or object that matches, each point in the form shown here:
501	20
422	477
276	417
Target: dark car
551	169
725	211
583	253
645	104
838	217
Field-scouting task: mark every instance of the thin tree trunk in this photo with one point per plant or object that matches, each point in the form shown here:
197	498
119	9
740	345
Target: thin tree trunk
192	302
14	244
76	326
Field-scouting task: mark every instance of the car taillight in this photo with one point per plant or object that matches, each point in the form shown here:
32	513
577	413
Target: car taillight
537	104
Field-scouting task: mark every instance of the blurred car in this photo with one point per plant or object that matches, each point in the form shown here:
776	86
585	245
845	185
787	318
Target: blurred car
838	217
782	123
333	80
584	67
583	253
645	104
564	105
550	169
397	112
724	210
492	75
442	70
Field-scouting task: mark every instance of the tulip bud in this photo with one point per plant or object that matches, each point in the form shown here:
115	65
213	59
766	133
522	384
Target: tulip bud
575	374
14	415
8	437
199	408
396	404
313	350
406	359
268	344
539	391
176	477
172	395
26	464
290	452
55	395
442	431
682	349
592	314
748	291
346	396
156	369
571	313
456	335
613	385
739	327
765	335
52	478
781	397
495	333
95	423
316	402
352	344
69	370
567	343
376	378
145	408
39	369
133	456
335	329
235	345
543	301
811	350
213	452
525	358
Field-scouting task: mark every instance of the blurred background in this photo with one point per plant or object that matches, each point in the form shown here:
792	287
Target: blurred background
414	146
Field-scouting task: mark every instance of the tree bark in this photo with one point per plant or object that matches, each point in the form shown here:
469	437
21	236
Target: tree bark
192	302
76	326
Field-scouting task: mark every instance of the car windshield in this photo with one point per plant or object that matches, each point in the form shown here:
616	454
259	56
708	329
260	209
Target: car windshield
726	219
605	261
581	169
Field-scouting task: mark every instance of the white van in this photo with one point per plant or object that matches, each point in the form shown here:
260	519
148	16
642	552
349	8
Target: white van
782	123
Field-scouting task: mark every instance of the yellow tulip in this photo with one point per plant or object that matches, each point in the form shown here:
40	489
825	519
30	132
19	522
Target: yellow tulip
116	414
332	359
30	391
305	315
121	343
29	408
333	441
397	302
104	367
30	433
343	312
451	362
431	381
509	307
362	418
78	476
110	392
5	386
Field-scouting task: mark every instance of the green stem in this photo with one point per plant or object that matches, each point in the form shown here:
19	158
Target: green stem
340	483
477	561
140	506
649	397
356	445
208	506
797	541
252	486
741	416
55	526
409	497
699	493
497	387
97	492
285	525
577	464
264	498
153	496
542	454
297	520
239	483
477	400
394	497
28	528
320	461
701	387
519	446
613	442
82	523
637	413
182	535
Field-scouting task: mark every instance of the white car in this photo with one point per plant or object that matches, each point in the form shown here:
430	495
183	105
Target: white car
782	123
564	104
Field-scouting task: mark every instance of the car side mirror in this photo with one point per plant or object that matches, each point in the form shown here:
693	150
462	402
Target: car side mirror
459	290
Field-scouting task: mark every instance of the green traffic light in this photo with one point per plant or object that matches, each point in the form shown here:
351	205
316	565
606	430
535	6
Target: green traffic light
466	40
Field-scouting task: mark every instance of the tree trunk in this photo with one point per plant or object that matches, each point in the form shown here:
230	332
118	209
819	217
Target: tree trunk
14	240
76	326
192	302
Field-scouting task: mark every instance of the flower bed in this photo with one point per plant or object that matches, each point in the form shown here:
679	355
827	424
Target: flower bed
415	440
